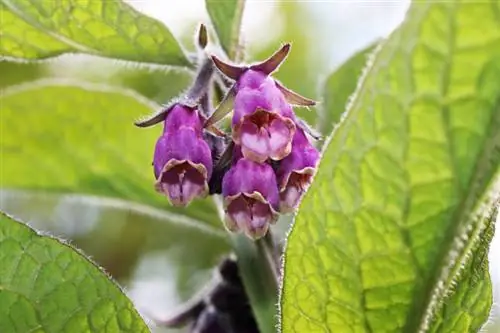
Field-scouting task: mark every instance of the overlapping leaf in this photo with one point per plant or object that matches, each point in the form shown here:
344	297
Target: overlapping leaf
37	29
47	286
63	137
378	233
469	299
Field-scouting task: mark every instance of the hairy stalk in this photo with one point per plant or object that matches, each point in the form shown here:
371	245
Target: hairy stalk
259	274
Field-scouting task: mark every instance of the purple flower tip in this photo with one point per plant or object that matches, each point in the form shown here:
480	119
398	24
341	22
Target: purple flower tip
182	159
296	171
251	197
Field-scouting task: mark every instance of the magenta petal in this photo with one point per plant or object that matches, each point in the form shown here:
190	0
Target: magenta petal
180	116
280	137
252	79
255	141
183	144
182	183
256	90
247	177
182	165
246	102
261	215
290	198
238	214
249	215
303	155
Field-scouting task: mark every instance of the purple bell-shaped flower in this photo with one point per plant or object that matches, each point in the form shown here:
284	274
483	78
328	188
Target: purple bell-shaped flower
295	171
182	159
251	197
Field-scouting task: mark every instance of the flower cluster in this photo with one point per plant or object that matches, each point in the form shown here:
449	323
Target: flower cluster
261	169
265	133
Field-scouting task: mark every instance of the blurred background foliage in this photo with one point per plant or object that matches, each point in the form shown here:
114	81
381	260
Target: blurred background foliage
161	263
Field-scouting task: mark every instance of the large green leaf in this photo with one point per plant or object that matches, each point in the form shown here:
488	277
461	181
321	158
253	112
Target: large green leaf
47	286
63	137
37	29
226	17
339	86
160	263
470	298
378	233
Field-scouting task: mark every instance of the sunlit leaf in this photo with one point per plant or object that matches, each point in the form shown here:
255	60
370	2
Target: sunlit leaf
37	29
226	17
15	72
339	87
160	262
378	233
65	137
467	306
46	285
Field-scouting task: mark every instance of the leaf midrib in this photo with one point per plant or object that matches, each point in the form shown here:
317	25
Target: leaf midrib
449	265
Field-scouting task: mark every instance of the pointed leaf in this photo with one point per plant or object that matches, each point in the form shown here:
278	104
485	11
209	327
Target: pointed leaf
469	299
37	29
401	178
68	137
46	285
226	17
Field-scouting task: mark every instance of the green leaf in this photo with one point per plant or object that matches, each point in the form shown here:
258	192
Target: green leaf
467	306
226	17
18	72
136	244
400	178
47	286
67	137
339	86
38	29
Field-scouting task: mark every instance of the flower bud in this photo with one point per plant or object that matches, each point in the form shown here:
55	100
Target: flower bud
251	197
182	159
263	121
295	171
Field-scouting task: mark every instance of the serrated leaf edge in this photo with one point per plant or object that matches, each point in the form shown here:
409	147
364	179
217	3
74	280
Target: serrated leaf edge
80	253
463	246
349	105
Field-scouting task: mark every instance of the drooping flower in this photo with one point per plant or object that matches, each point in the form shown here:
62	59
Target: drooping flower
263	122
182	159
295	171
251	197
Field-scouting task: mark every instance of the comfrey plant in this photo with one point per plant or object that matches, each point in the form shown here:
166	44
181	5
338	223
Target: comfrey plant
262	168
386	230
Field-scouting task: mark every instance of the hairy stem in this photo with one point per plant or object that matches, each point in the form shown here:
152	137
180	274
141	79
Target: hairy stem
259	274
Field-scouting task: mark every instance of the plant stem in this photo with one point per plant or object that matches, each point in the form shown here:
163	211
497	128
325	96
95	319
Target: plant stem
259	275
